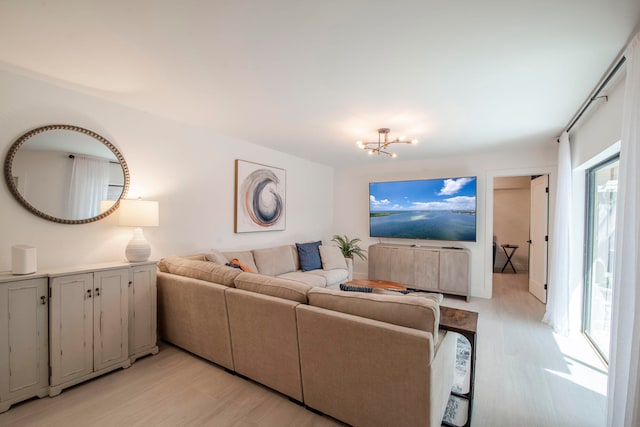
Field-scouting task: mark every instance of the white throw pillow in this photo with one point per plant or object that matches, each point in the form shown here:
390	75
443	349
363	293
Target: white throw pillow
332	258
216	257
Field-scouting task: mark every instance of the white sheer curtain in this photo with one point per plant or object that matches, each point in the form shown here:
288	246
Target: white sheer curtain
557	314
624	385
89	185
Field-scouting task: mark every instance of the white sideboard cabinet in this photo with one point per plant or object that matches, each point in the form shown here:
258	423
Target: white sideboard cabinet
61	327
429	268
24	353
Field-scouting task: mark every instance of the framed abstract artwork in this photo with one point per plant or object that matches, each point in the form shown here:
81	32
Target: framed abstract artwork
260	197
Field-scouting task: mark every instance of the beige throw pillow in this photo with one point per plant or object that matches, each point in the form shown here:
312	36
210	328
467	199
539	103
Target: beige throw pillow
274	261
332	258
216	257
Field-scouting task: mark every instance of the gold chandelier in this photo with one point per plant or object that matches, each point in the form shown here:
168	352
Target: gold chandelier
383	143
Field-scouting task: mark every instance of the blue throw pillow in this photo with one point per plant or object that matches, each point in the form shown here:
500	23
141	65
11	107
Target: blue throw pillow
309	255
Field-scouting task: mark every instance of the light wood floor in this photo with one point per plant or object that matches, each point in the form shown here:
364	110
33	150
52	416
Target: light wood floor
526	376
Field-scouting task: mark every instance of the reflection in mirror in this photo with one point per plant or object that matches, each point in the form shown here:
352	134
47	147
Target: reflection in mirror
66	174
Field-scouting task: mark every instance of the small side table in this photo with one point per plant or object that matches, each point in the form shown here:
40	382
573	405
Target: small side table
465	323
509	250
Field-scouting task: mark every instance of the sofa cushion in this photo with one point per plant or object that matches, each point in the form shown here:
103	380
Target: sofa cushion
274	261
332	277
245	257
402	310
304	277
216	256
203	270
273	286
332	257
309	255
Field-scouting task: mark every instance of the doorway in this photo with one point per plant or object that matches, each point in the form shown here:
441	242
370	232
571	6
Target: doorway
520	229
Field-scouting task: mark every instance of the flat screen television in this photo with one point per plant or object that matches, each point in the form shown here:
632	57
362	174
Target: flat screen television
432	209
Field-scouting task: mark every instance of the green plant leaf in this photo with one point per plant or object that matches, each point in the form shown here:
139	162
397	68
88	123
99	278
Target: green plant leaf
349	247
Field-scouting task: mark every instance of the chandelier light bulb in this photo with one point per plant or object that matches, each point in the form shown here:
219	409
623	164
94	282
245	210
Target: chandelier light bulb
381	146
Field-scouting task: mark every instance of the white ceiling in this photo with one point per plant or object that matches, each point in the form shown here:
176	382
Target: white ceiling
311	77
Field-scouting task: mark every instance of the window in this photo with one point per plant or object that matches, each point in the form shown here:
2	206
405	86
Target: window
602	191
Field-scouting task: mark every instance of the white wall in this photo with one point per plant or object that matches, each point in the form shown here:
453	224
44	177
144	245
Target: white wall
190	171
351	214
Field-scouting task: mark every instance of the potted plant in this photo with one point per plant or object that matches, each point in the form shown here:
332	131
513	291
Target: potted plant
349	247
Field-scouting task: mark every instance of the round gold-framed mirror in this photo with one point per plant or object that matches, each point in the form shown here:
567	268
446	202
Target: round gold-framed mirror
66	174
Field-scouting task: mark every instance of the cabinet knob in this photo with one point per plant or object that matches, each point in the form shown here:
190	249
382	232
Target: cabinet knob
88	293
43	300
97	292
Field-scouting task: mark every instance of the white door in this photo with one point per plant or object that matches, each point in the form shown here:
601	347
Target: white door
538	237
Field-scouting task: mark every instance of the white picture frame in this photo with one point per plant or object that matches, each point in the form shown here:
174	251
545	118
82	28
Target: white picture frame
260	197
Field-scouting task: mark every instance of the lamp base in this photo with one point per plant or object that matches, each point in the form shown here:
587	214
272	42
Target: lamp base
138	249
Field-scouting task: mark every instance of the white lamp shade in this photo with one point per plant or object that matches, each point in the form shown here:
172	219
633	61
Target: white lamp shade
138	213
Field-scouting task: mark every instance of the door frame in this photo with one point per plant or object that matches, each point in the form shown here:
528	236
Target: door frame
551	171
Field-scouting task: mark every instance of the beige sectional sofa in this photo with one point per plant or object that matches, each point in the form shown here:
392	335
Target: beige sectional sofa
284	262
364	359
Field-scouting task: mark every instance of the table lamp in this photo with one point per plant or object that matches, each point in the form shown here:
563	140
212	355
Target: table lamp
138	213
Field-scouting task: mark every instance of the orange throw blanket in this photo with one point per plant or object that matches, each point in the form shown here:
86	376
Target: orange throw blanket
242	266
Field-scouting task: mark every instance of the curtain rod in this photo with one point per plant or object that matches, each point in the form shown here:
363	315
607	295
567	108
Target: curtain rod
595	95
73	156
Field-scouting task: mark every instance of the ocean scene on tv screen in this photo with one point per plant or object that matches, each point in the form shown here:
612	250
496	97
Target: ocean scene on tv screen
436	209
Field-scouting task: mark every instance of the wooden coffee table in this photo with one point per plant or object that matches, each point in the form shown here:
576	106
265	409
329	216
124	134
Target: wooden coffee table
377	284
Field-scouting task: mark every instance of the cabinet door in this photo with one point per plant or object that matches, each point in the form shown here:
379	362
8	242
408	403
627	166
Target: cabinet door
110	314
401	266
142	309
71	327
454	272
24	328
427	268
379	262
